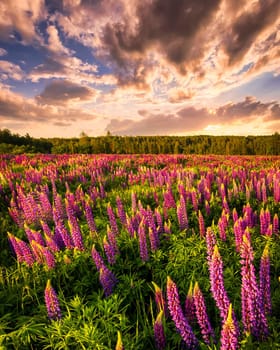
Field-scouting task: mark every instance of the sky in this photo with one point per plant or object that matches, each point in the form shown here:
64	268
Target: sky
140	67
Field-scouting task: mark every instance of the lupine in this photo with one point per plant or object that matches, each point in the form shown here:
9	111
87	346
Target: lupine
275	224
265	280
61	233
217	284
253	315
178	317
201	224
229	334
202	316
194	199
112	220
109	251
121	211
99	262
143	242
89	217
52	302
158	216
107	280
119	345
182	214
211	241
189	306
159	332
159	298
76	234
238	234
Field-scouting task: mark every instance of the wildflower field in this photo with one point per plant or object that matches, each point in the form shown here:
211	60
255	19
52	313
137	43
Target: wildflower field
139	252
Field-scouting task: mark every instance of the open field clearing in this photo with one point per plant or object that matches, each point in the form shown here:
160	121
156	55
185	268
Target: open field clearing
139	252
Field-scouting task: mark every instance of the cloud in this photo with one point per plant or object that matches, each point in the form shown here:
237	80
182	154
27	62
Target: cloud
18	19
63	92
3	52
14	107
9	70
191	120
177	95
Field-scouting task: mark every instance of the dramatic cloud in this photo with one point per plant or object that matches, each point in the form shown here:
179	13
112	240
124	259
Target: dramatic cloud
191	120
63	92
10	70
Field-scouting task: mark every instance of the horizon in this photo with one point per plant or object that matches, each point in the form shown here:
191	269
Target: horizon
140	68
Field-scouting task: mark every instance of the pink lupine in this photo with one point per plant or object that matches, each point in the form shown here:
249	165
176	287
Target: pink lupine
202	316
275	224
143	242
265	292
253	315
178	317
229	335
201	224
52	302
182	214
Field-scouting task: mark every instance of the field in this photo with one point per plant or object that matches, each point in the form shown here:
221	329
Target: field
139	252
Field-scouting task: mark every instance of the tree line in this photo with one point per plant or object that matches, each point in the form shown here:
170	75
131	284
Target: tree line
202	144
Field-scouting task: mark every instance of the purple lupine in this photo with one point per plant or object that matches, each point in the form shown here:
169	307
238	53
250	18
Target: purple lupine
182	214
222	229
46	229
253	315
52	302
217	285
51	243
202	316
238	234
159	221
207	208
159	335
89	217
112	239
154	239
143	242
275	224
96	257
178	317
189	306
109	251
201	224
15	247
121	211
229	334
265	280
107	279
49	258
112	220
263	222
76	234
61	234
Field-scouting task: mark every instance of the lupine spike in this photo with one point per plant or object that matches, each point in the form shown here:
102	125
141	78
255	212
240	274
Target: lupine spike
119	345
201	315
160	302
107	280
178	317
159	332
229	335
52	302
189	306
265	280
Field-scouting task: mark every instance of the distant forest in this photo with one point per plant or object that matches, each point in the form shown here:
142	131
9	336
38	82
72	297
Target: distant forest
203	144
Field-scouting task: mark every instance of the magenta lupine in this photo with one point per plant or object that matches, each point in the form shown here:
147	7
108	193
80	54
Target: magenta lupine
194	199
182	214
96	257
159	221
61	234
217	285
107	280
121	211
263	222
264	194
89	217
202	316
112	220
265	280
189	306
46	229
133	202
109	251
201	224
76	234
51	243
222	229
207	208
159	334
46	207
211	241
269	231
253	315
143	249
49	257
154	239
275	224
229	334
238	234
52	302
178	317
15	247
234	215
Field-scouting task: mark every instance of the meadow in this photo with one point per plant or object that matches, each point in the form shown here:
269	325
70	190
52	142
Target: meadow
139	252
